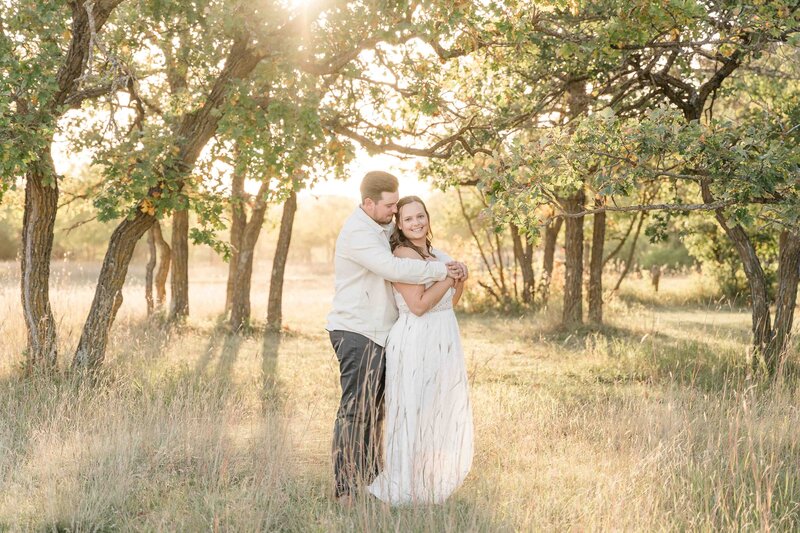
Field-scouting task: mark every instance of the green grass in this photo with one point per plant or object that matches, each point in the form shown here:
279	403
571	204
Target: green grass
651	422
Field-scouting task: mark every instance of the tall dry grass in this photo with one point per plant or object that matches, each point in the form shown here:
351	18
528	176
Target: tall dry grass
652	422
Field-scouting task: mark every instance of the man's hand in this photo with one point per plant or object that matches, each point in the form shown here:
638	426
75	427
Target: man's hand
465	271
457	270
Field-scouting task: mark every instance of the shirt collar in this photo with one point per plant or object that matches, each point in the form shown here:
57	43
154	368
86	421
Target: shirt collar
378	228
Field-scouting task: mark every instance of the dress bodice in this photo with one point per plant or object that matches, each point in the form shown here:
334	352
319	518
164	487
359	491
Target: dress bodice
445	303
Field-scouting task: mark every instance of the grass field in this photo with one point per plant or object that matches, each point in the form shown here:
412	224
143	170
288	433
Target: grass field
650	423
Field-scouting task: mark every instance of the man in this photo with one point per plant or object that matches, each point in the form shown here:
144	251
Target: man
363	312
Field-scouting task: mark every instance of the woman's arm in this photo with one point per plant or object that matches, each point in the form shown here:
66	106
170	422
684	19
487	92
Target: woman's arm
419	299
459	290
459	285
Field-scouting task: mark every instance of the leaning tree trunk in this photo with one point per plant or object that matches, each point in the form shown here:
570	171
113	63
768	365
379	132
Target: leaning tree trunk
162	271
108	295
195	130
238	223
761	320
573	276
596	265
524	257
179	282
243	275
41	205
148	272
275	303
550	240
786	299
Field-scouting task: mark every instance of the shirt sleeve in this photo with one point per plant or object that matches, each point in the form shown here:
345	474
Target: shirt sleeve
365	248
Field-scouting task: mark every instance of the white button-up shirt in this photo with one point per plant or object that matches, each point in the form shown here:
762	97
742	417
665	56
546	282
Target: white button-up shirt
364	269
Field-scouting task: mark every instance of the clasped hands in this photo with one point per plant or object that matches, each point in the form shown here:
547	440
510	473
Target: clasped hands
457	270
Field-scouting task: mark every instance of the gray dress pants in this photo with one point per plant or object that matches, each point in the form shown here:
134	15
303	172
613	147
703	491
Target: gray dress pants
357	432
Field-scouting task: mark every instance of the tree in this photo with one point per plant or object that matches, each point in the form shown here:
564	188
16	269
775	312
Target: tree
47	53
275	300
150	171
639	57
157	181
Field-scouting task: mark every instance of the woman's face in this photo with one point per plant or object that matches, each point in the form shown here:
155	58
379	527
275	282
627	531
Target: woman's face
413	221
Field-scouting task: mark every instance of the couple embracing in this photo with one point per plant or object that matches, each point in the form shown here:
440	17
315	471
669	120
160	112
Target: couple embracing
403	431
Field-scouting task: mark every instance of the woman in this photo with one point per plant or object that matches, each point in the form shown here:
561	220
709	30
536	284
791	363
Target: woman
428	434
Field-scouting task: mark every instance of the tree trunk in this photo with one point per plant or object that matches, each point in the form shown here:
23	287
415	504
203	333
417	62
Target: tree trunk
596	265
195	130
275	303
179	282
240	297
550	240
238	222
573	276
524	257
41	205
108	295
162	272
786	299
148	273
41	185
761	321
577	103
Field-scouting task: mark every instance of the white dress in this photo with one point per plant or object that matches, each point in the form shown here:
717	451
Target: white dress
428	436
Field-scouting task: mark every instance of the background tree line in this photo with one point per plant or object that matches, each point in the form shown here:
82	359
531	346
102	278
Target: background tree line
650	119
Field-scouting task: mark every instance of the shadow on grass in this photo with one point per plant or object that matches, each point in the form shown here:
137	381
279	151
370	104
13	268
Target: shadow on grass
215	336
697	360
458	513
271	395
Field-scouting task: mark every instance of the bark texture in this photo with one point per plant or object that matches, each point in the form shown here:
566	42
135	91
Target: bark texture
108	295
238	222
577	102
786	299
243	271
550	239
179	282
596	265
573	273
523	252
164	262
149	271
761	319
275	303
41	205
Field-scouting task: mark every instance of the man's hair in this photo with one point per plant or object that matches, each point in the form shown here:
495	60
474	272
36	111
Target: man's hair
376	183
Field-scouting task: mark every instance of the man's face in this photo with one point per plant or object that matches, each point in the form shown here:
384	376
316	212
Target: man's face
384	209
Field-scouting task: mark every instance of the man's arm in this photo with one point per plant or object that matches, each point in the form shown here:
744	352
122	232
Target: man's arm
419	299
365	248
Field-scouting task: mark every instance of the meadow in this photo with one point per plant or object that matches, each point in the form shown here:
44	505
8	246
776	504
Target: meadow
652	422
